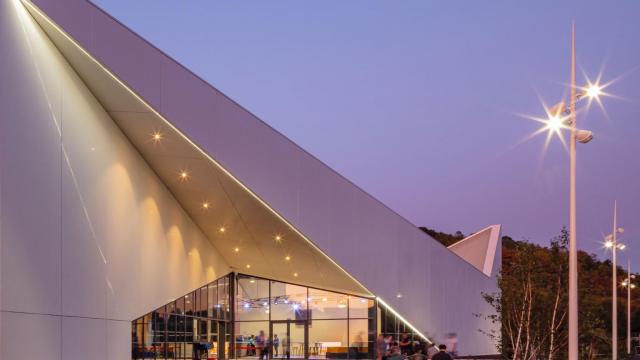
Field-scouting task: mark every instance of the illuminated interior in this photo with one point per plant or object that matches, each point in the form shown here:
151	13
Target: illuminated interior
297	321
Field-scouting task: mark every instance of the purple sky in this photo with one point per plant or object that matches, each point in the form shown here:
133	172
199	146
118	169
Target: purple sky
416	101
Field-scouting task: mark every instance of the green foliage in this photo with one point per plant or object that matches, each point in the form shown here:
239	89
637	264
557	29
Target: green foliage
532	302
444	238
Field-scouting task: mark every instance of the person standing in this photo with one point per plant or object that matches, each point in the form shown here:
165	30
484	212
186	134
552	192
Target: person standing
442	353
381	347
405	344
261	345
276	343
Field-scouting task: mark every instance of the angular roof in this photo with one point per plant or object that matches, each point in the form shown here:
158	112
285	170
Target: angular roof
480	248
272	198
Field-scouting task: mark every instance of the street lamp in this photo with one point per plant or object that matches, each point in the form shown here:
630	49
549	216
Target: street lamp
629	285
611	242
559	117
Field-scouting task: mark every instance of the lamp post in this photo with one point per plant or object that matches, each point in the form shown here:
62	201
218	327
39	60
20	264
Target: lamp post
612	243
563	116
582	136
627	283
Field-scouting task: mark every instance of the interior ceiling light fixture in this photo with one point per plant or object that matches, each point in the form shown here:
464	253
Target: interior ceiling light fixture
205	205
184	175
157	136
181	134
222	229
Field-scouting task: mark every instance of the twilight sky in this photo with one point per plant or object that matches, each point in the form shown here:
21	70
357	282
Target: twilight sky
417	101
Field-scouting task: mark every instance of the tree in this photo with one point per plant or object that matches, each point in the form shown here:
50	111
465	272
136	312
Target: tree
532	302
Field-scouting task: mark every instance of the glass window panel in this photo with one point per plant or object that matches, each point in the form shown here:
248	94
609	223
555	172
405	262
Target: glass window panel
172	328
225	304
328	339
188	304
188	329
360	307
179	350
389	324
212	296
171	307
179	306
180	328
327	304
136	338
288	302
247	333
252	299
360	339
201	310
148	339
203	331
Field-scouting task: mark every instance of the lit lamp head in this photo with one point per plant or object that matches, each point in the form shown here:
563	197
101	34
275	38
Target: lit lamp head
555	121
593	91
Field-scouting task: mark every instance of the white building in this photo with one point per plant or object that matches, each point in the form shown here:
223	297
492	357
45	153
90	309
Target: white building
128	186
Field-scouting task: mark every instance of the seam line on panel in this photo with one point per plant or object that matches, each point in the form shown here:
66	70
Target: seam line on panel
62	316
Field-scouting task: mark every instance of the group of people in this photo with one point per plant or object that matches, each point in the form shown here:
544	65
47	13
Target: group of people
406	349
261	345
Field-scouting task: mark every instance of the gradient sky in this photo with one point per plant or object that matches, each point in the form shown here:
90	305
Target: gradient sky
417	101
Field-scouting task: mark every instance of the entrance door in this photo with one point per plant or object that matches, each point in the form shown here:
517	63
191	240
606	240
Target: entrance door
292	338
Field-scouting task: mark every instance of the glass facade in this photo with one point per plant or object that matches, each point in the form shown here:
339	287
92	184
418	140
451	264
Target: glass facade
393	327
301	322
195	326
266	319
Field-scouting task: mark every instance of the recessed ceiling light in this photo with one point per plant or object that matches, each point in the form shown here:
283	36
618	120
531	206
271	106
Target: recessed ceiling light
237	249
295	274
278	238
287	258
222	229
184	175
157	136
248	266
205	205
324	299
